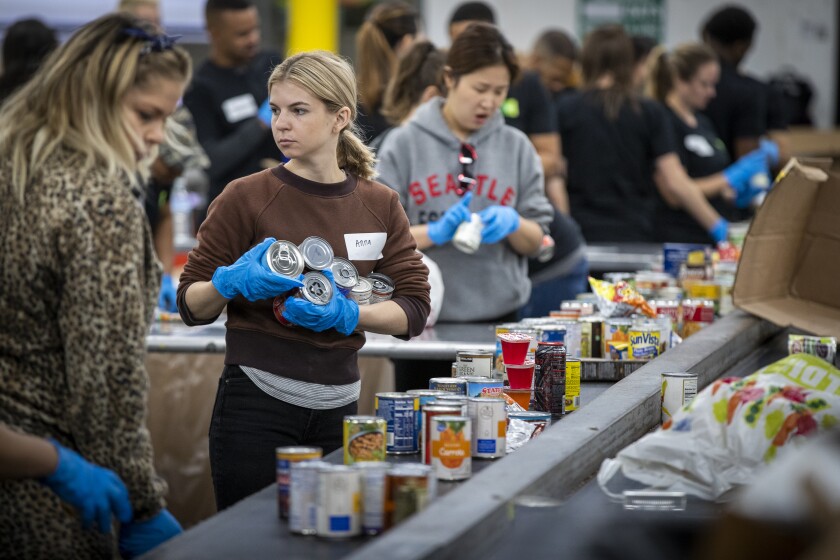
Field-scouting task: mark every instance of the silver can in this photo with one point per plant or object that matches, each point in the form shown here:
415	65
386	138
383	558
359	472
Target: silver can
284	257
489	427
457	385
303	496
339	495
345	274
451	398
317	253
382	287
362	291
373	495
316	288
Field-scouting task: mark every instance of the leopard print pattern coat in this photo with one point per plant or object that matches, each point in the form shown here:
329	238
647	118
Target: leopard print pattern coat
78	286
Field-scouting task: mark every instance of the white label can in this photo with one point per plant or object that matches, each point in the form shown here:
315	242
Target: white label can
678	389
339	502
489	427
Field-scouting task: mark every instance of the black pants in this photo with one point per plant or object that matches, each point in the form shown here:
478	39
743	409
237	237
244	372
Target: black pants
248	425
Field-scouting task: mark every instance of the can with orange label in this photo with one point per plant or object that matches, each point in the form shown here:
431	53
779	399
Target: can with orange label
451	438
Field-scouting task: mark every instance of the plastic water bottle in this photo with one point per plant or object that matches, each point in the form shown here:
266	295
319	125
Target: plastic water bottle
182	219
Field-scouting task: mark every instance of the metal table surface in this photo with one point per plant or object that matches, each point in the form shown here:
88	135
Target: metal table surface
440	342
250	529
623	257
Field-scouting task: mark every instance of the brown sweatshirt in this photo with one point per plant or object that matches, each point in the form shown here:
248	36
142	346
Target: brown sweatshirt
362	220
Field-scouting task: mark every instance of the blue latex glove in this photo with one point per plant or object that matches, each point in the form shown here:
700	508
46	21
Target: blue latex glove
720	231
251	277
139	538
264	113
96	492
168	296
340	313
442	230
748	177
770	149
499	222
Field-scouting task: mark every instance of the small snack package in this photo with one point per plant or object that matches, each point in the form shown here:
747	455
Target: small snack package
619	299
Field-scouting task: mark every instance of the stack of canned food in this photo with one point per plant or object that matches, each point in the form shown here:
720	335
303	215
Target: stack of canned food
445	429
315	255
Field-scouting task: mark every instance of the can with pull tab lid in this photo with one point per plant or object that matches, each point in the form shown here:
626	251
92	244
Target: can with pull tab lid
284	257
345	274
316	288
382	287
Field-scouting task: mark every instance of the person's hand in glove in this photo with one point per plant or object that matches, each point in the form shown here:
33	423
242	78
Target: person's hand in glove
251	277
499	222
720	231
442	230
340	313
96	492
168	296
770	149
264	113
142	536
748	177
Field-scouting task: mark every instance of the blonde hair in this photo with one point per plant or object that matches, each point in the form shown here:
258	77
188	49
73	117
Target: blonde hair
376	60
75	101
128	5
330	78
682	63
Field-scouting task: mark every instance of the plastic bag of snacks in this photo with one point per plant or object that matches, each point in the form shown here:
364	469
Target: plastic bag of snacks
824	347
732	428
619	299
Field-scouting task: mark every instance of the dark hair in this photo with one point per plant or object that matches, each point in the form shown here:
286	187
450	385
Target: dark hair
216	6
385	26
479	46
473	11
609	50
25	46
642	45
556	42
421	67
681	63
730	25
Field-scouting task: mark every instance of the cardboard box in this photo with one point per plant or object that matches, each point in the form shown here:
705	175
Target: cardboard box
789	271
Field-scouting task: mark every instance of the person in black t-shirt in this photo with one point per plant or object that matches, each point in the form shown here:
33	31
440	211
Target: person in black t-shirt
228	99
614	141
555	58
683	80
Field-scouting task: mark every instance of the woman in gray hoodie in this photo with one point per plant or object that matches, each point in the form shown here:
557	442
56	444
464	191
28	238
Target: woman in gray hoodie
455	157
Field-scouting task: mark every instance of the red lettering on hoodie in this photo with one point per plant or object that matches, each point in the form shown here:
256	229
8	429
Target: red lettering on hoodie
432	181
507	199
451	184
491	194
479	184
416	192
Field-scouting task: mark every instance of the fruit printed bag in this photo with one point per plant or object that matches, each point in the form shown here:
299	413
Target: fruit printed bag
733	428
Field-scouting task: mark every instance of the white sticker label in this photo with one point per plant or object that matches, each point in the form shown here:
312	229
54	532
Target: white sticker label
240	107
365	246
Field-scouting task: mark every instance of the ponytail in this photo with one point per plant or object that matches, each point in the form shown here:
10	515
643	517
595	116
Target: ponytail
353	155
375	64
661	77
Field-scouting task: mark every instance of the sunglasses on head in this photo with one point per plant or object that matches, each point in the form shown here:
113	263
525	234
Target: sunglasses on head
466	179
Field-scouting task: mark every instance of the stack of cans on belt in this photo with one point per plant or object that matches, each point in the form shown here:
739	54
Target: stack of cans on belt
314	255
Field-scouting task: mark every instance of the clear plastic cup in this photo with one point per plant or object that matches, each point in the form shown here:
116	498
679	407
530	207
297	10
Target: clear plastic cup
520	376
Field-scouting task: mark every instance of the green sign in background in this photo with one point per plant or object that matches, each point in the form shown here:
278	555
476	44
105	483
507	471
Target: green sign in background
639	17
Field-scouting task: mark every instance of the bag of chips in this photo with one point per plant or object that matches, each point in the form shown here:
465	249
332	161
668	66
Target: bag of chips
619	299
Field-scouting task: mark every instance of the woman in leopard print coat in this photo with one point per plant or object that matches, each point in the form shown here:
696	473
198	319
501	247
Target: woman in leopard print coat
78	275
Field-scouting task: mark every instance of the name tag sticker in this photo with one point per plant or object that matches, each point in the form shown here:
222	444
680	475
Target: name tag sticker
365	246
239	108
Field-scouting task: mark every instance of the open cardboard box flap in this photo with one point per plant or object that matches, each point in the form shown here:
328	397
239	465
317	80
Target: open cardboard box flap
789	271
